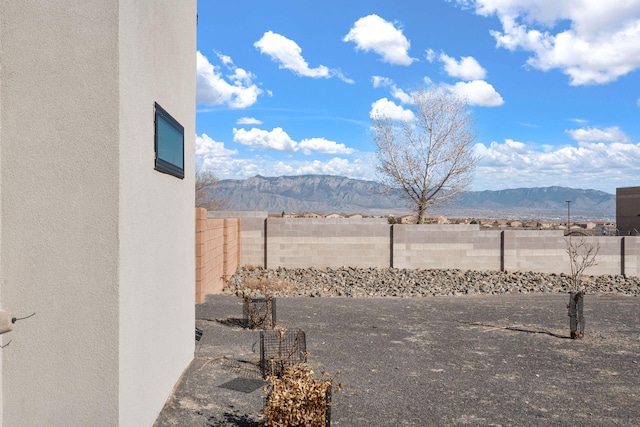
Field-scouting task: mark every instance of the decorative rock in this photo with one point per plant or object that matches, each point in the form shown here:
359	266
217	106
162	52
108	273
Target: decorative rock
391	282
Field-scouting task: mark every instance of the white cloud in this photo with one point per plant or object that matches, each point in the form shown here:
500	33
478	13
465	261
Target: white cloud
430	55
207	147
248	121
591	41
209	151
477	92
396	92
335	166
288	55
212	88
638	103
610	134
372	33
401	95
362	167
379	81
277	139
597	165
225	59
466	69
229	168
389	109
322	145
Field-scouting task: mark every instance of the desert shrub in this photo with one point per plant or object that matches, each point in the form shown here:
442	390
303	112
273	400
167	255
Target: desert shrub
297	398
263	286
258	295
280	349
259	312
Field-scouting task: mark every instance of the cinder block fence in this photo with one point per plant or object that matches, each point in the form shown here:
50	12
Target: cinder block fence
371	242
217	252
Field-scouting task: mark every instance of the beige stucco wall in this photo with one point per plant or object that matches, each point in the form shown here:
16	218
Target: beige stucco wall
157	220
1	339
60	202
94	240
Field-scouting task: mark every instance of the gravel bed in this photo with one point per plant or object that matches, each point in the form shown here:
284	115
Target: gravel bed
392	282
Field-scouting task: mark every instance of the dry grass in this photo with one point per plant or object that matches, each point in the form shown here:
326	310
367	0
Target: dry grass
297	398
260	315
263	285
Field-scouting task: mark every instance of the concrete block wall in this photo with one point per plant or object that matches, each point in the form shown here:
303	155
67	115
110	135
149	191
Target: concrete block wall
609	259
337	242
252	234
445	246
546	252
533	250
209	254
323	242
631	255
217	252
232	245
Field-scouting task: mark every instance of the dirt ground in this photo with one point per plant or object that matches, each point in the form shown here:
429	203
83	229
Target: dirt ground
471	360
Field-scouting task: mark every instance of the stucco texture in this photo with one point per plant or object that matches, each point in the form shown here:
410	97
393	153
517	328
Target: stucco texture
93	240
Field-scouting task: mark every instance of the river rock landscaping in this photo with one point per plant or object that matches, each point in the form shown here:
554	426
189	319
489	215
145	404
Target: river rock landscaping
392	282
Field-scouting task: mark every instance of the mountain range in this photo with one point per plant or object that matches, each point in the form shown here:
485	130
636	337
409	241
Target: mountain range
327	194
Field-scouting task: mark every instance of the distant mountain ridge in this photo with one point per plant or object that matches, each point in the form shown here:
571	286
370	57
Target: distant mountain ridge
542	203
327	194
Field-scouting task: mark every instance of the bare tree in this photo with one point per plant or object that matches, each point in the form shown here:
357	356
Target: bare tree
206	184
429	159
582	255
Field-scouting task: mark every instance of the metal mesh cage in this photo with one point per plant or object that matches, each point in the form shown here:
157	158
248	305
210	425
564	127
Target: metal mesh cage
327	415
281	348
259	313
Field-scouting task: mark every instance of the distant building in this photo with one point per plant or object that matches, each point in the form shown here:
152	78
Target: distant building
407	219
586	225
435	219
628	210
606	230
334	215
427	219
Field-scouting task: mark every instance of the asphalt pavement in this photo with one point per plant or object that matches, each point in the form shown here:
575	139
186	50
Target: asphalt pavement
480	360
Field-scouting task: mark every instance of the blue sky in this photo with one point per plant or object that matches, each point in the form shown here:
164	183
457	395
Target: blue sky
288	87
